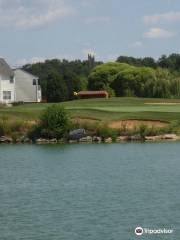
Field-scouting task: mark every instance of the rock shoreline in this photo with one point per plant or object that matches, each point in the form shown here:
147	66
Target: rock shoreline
90	139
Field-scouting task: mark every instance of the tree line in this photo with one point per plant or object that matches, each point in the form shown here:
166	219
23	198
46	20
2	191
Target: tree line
128	76
171	62
59	79
122	79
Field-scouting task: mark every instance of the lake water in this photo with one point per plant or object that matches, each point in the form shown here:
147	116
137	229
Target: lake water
89	192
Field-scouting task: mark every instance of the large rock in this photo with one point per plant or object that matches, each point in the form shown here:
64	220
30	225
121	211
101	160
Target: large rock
170	137
153	138
136	138
42	141
4	139
108	140
87	139
77	134
97	139
162	137
122	138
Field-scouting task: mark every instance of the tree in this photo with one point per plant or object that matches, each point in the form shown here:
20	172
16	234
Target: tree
131	82
54	122
56	88
130	60
149	62
138	62
102	76
73	83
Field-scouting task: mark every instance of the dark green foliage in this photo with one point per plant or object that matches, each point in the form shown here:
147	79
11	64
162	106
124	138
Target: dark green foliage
102	76
56	88
71	75
171	62
138	62
127	81
54	123
132	81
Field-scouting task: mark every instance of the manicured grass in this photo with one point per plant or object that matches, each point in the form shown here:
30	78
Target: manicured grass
105	109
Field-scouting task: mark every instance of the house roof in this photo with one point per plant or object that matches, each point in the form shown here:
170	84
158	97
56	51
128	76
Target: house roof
5	69
20	69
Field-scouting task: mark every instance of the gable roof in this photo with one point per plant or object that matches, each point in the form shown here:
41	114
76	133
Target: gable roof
5	69
22	70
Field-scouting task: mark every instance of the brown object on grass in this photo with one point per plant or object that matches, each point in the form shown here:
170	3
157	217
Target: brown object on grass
92	94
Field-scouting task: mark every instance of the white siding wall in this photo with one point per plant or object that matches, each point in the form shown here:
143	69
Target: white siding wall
25	90
5	85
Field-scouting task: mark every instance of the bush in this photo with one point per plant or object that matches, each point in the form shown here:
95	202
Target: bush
104	131
54	123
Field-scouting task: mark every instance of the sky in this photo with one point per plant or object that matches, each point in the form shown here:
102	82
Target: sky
35	30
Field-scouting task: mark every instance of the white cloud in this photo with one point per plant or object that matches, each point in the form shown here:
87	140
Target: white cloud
97	20
164	17
158	33
34	13
137	44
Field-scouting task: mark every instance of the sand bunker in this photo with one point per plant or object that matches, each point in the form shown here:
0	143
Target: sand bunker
123	124
163	103
131	124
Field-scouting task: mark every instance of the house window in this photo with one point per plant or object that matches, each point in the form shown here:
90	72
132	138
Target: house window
34	82
12	79
6	95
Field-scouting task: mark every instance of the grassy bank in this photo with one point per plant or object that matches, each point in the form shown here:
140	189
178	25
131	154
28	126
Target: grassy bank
105	109
98	115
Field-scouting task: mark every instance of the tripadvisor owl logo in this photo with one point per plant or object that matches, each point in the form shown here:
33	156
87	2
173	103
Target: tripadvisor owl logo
139	231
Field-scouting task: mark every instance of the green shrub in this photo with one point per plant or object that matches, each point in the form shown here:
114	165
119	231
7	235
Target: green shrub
143	129
54	123
104	131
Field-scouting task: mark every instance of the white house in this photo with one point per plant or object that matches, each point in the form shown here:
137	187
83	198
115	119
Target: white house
18	85
27	87
7	83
